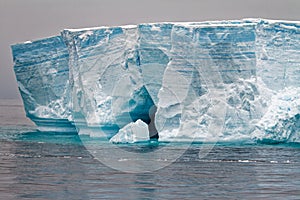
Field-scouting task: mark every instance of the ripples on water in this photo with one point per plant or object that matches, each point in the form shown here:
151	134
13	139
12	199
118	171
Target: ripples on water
35	165
39	166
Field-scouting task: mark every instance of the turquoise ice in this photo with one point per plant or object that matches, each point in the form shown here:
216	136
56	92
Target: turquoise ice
194	81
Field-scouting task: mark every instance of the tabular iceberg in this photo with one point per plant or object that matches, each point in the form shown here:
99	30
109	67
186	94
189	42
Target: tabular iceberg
203	81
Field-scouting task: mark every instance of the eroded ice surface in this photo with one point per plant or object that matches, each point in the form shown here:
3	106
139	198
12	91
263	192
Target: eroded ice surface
42	72
278	44
108	87
209	62
281	122
207	81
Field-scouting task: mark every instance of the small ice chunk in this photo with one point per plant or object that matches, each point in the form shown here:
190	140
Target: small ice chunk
131	133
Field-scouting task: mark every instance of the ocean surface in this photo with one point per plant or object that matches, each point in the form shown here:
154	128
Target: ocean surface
35	165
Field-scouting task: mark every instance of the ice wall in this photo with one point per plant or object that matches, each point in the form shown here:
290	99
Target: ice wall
42	73
109	91
278	44
278	66
154	45
210	62
204	81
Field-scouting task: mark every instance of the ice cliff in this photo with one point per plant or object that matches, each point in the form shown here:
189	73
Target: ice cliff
42	72
198	81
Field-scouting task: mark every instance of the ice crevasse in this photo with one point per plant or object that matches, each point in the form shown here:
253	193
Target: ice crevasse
196	81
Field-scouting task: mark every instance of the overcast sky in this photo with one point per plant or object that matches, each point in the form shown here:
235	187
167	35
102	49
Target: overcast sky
22	20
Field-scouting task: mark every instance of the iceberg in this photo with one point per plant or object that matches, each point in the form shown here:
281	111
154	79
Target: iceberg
193	81
132	133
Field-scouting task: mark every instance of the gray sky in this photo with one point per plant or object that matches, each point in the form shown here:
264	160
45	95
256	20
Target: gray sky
22	20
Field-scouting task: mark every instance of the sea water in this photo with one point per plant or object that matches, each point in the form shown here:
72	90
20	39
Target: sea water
36	165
